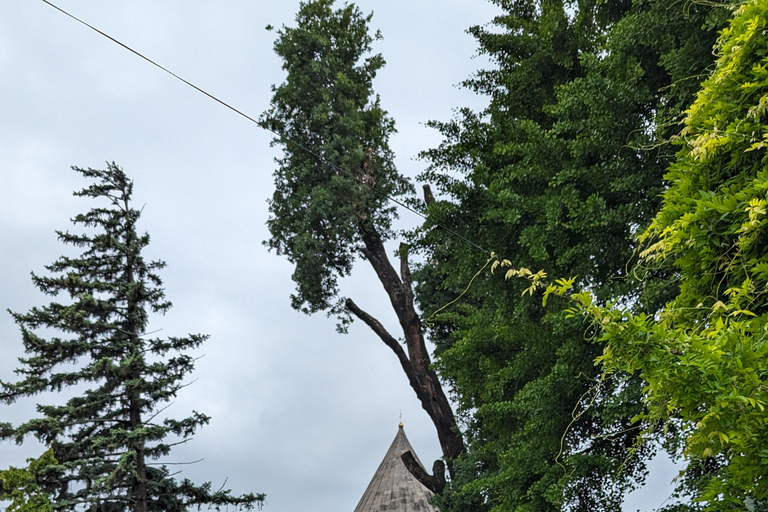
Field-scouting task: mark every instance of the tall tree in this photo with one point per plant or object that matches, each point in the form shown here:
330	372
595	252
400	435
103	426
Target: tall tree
106	437
332	183
704	355
559	173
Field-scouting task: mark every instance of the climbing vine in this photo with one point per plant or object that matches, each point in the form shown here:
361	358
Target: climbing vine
704	357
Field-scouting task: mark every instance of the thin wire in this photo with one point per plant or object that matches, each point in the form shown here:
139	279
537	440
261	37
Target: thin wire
267	128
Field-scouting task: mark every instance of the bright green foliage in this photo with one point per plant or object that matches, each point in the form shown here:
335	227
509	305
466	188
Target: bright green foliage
337	166
558	174
104	436
704	357
19	486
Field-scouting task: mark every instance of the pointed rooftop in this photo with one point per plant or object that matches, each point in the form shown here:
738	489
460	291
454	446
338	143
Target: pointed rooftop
393	488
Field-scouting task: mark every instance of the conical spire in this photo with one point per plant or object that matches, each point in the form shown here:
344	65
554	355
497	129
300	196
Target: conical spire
393	488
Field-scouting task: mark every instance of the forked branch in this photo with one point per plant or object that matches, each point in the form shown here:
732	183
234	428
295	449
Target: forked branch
435	482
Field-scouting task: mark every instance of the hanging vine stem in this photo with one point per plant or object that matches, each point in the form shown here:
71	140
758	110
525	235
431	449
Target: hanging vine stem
491	259
575	417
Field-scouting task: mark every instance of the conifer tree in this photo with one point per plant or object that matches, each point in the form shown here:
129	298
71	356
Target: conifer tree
106	436
330	204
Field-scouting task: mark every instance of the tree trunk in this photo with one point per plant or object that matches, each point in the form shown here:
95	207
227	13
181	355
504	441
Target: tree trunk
139	488
416	363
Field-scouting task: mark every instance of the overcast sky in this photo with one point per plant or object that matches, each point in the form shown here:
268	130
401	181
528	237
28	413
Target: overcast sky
299	412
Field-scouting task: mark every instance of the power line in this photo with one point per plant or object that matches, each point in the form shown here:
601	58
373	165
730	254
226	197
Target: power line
267	128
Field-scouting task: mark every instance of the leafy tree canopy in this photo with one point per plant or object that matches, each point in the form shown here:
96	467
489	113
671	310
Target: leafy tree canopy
333	184
704	355
559	173
337	168
19	486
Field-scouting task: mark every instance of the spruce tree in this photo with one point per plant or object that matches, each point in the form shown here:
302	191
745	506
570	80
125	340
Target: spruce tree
106	436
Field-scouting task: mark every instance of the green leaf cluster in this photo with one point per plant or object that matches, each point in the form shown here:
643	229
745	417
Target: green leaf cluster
337	170
19	486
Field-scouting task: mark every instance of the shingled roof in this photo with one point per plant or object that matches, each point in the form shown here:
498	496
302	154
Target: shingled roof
393	488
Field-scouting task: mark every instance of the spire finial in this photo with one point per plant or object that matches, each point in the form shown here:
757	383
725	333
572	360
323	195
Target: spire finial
401	419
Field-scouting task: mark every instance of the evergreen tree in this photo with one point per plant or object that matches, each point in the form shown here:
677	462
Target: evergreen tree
105	437
330	204
558	174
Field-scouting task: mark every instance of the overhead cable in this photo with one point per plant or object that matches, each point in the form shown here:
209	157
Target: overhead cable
309	151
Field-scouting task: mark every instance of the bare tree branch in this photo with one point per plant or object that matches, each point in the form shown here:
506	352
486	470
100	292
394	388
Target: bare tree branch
428	197
436	482
381	332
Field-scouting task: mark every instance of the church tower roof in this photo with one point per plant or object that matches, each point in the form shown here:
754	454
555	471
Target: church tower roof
393	488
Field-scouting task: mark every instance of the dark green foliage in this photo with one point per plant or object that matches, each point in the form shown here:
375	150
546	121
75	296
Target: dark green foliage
333	184
558	174
704	355
104	437
327	107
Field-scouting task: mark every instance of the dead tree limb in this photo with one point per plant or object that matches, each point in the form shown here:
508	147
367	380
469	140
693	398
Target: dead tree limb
434	482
